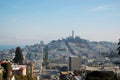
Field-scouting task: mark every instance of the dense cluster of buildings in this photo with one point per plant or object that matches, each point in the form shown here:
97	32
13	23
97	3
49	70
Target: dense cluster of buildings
79	58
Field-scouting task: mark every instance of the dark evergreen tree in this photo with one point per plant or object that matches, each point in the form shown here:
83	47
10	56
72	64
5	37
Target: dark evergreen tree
119	47
101	75
6	72
18	56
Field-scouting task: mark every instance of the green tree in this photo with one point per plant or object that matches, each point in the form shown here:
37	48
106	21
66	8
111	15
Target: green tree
18	56
101	75
119	47
6	72
27	77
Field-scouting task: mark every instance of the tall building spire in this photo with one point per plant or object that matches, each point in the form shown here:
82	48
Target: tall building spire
73	33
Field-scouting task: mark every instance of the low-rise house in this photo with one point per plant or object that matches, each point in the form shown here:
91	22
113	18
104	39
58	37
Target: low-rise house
19	70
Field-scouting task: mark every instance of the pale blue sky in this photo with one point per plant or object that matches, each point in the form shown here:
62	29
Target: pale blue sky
29	21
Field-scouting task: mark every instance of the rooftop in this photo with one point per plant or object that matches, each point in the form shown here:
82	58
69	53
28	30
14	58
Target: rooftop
18	67
73	56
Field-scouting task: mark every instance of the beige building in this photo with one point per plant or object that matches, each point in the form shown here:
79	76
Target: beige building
100	68
74	63
30	69
0	72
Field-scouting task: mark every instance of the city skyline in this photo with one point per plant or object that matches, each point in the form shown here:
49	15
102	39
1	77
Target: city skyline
27	21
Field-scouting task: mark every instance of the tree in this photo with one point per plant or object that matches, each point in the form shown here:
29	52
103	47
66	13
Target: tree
6	72
101	75
119	47
18	56
27	77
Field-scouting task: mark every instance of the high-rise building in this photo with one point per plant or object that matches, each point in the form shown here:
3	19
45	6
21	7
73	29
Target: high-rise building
72	33
74	63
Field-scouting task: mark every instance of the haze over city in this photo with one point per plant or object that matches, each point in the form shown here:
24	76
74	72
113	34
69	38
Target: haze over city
29	21
59	39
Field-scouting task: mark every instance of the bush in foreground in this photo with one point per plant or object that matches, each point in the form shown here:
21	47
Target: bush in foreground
101	75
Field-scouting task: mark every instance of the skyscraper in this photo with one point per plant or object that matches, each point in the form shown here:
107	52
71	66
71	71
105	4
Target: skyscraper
72	33
74	62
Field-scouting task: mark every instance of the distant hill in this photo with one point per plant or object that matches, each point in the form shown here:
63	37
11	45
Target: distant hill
77	46
92	47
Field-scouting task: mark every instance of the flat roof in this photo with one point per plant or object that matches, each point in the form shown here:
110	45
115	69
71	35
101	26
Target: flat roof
65	72
73	56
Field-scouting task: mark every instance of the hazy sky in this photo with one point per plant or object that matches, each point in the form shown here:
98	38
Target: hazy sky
29	21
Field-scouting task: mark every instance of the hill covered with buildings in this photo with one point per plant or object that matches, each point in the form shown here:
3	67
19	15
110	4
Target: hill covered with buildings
59	50
57	53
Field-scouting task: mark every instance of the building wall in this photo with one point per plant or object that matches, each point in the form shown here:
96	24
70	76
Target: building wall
30	69
74	63
24	72
19	70
0	72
